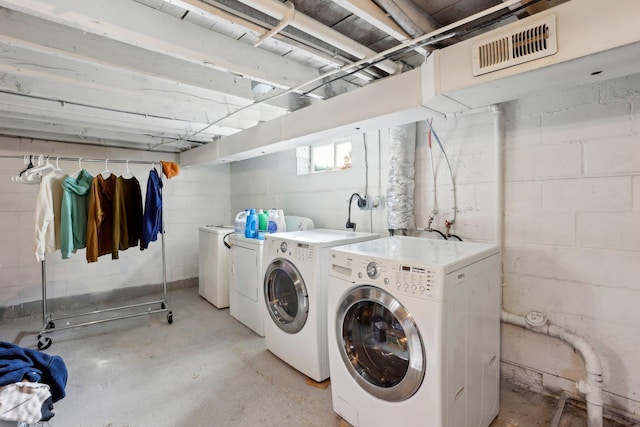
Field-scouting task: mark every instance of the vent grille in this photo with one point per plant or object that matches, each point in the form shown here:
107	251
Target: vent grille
516	47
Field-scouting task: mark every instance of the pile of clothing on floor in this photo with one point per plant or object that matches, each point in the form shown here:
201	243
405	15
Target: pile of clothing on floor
30	383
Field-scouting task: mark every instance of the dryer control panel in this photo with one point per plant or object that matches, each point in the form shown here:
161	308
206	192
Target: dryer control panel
289	249
394	276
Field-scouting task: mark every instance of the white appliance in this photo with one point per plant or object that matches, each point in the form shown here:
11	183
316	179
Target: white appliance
245	287
295	291
414	332
213	265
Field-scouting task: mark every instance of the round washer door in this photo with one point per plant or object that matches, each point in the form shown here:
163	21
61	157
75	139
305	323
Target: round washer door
380	344
286	295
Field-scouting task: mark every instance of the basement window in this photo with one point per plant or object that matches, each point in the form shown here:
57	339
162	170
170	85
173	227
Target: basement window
324	157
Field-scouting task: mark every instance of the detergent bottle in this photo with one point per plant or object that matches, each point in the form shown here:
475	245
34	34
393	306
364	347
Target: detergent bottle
251	227
275	222
262	220
241	221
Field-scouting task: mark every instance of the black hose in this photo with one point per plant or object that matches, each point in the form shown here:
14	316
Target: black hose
454	236
225	242
440	233
349	223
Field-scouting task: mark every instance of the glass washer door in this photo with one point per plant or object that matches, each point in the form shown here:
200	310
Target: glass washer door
380	344
286	295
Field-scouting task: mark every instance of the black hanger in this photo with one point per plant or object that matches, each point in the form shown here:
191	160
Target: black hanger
29	166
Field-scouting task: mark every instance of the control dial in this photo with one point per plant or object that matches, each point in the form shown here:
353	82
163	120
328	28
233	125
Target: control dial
283	247
373	270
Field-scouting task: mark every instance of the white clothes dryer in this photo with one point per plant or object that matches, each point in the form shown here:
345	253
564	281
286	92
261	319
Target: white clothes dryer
414	332
246	302
295	295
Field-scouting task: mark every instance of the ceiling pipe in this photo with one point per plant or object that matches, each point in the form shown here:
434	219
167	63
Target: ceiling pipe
212	10
291	13
320	31
410	17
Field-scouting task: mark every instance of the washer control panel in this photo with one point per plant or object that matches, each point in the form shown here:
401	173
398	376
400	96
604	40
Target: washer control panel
395	276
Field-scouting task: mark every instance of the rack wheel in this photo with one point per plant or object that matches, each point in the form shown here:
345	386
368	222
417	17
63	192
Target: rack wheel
44	342
170	317
51	325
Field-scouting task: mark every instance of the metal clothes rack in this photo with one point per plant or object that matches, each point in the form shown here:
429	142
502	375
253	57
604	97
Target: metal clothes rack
48	321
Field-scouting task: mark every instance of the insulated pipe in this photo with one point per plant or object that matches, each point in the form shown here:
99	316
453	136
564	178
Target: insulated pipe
402	151
591	386
320	31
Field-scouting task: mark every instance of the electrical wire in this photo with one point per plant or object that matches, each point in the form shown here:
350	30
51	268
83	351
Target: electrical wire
434	211
366	166
411	48
421	41
453	183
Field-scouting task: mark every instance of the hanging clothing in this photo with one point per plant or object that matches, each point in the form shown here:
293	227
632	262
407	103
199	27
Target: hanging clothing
128	210
74	213
47	214
24	364
152	218
101	220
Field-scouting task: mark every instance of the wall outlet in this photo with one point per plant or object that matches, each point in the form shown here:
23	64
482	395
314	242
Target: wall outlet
372	203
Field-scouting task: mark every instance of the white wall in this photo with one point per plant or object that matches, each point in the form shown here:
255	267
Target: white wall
572	225
271	181
572	220
195	197
573	231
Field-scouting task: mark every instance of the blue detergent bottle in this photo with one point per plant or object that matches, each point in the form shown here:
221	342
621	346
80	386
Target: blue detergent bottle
251	227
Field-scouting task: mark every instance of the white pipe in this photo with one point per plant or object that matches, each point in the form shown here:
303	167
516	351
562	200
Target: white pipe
320	31
591	386
283	23
498	136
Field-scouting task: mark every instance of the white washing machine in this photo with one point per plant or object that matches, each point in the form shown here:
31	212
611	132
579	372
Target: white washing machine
295	291
414	332
213	265
246	303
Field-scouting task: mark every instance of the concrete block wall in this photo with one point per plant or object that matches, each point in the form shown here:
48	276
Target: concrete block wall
572	230
572	219
195	197
272	181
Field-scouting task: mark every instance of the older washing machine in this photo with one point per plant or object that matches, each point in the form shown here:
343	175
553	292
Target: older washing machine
414	332
295	295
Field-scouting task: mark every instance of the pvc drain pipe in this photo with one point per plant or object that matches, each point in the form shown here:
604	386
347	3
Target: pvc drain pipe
591	385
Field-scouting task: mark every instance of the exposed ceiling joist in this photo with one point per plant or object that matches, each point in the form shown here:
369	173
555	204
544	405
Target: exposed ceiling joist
146	28
174	74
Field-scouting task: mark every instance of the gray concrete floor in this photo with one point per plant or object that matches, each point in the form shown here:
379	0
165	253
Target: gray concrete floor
206	369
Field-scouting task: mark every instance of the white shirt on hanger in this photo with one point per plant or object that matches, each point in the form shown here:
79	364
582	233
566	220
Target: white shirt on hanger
47	213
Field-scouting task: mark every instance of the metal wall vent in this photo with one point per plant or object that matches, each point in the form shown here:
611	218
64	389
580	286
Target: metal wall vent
519	45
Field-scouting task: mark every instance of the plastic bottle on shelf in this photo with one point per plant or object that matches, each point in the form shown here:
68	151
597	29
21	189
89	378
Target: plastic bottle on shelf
241	221
251	227
262	220
275	222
